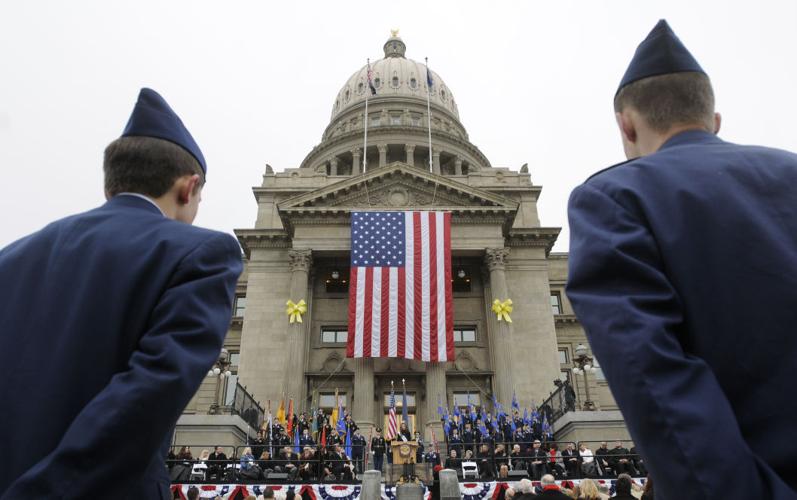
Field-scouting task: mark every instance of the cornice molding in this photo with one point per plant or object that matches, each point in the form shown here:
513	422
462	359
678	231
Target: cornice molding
262	238
565	319
543	237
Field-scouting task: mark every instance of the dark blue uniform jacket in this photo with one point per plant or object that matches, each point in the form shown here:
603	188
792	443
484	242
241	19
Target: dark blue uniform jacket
683	271
109	320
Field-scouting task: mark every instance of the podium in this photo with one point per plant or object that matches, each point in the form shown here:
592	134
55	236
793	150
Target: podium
403	452
403	456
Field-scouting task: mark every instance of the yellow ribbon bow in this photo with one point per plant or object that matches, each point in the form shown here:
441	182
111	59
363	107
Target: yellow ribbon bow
502	309
295	310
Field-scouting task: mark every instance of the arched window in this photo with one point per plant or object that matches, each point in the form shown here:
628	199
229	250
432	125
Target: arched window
413	83
377	82
347	94
395	81
360	88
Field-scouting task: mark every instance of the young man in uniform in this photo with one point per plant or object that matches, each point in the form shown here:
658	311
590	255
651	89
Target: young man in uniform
110	319
683	271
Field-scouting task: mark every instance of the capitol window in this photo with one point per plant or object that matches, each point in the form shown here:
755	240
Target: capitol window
347	95
377	82
413	83
375	120
395	119
360	87
395	82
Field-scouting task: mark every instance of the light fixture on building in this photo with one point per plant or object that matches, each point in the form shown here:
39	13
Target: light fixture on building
335	274
583	365
461	273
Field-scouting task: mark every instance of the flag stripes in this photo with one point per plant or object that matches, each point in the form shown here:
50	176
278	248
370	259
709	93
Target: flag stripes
400	302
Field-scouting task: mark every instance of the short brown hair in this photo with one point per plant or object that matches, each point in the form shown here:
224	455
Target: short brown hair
146	165
668	100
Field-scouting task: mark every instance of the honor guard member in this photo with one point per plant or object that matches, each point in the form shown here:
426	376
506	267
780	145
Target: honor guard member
135	290
378	447
683	270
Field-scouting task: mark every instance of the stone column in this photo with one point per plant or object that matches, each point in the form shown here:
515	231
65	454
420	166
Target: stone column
300	261
410	150
356	159
496	258
382	154
435	387
436	163
333	166
363	404
458	166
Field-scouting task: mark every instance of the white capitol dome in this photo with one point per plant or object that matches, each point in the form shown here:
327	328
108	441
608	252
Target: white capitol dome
394	75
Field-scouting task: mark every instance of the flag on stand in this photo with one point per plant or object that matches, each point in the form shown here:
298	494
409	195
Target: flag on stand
515	404
392	424
348	444
281	413
404	415
289	426
296	447
333	419
400	302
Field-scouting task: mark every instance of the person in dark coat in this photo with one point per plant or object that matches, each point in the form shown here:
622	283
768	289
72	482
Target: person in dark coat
131	286
378	448
550	489
623	486
358	444
621	460
683	270
572	461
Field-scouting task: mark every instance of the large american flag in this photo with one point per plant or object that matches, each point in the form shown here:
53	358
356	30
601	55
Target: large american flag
400	286
392	424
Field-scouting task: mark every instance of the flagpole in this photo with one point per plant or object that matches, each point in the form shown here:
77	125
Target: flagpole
370	89
429	109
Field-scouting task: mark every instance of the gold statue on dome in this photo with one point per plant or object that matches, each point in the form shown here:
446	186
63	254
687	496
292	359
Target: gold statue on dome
394	33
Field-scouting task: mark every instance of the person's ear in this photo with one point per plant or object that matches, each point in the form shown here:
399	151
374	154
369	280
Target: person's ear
187	188
626	125
717	122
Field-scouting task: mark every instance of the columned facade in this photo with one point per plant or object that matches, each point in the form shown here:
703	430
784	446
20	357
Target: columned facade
299	249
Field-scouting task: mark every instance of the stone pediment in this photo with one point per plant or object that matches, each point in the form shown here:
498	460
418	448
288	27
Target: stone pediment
398	187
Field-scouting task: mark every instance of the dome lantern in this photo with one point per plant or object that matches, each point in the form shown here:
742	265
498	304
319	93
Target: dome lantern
394	47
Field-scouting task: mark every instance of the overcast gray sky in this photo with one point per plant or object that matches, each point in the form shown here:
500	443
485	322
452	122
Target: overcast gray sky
255	83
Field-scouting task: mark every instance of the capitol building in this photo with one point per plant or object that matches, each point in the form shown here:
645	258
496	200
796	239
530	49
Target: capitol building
299	249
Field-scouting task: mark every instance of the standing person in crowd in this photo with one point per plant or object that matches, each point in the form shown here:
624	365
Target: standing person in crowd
550	489
378	447
692	239
455	442
572	462
358	450
589	490
623	487
468	437
419	450
306	439
134	287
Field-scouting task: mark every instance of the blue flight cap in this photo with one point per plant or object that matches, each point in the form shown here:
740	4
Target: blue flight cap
661	53
153	117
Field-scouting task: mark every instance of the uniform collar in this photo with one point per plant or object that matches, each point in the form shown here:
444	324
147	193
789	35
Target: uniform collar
693	136
137	201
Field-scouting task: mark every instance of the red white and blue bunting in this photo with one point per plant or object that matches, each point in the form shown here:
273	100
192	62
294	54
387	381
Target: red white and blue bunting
470	491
